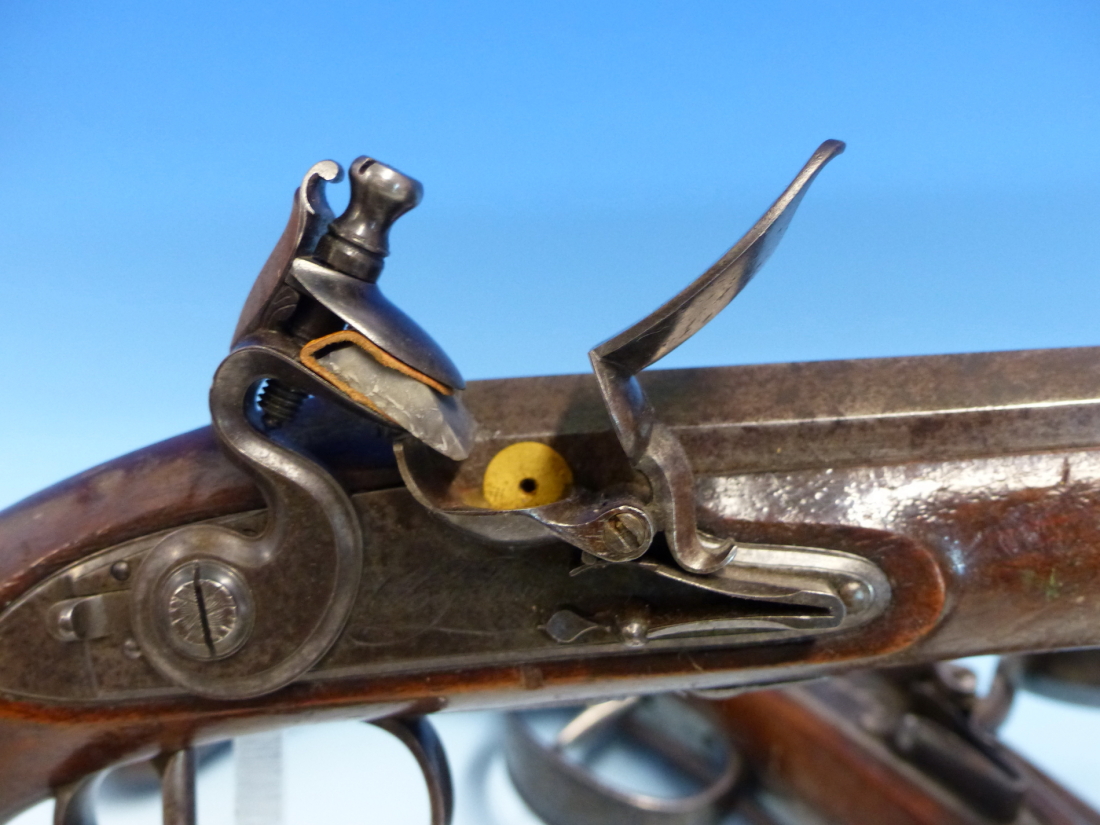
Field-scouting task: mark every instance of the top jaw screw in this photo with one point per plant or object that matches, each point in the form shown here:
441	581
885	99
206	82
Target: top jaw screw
279	403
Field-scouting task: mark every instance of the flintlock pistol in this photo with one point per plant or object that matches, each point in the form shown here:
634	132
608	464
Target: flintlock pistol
359	534
906	746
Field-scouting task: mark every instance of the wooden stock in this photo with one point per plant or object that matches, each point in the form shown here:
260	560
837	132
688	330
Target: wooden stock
781	451
770	418
799	747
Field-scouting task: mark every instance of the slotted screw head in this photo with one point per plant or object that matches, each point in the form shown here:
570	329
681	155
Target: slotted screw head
626	535
207	609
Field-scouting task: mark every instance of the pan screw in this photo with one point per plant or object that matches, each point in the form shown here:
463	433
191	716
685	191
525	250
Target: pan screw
279	403
626	535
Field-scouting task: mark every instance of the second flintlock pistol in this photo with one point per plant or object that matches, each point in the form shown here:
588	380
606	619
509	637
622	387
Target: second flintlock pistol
359	534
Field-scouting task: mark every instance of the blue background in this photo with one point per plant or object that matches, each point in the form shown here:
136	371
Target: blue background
581	163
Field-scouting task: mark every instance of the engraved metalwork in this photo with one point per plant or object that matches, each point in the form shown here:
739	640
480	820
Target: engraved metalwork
208	608
302	571
651	445
731	529
619	526
878	450
806	589
297	581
